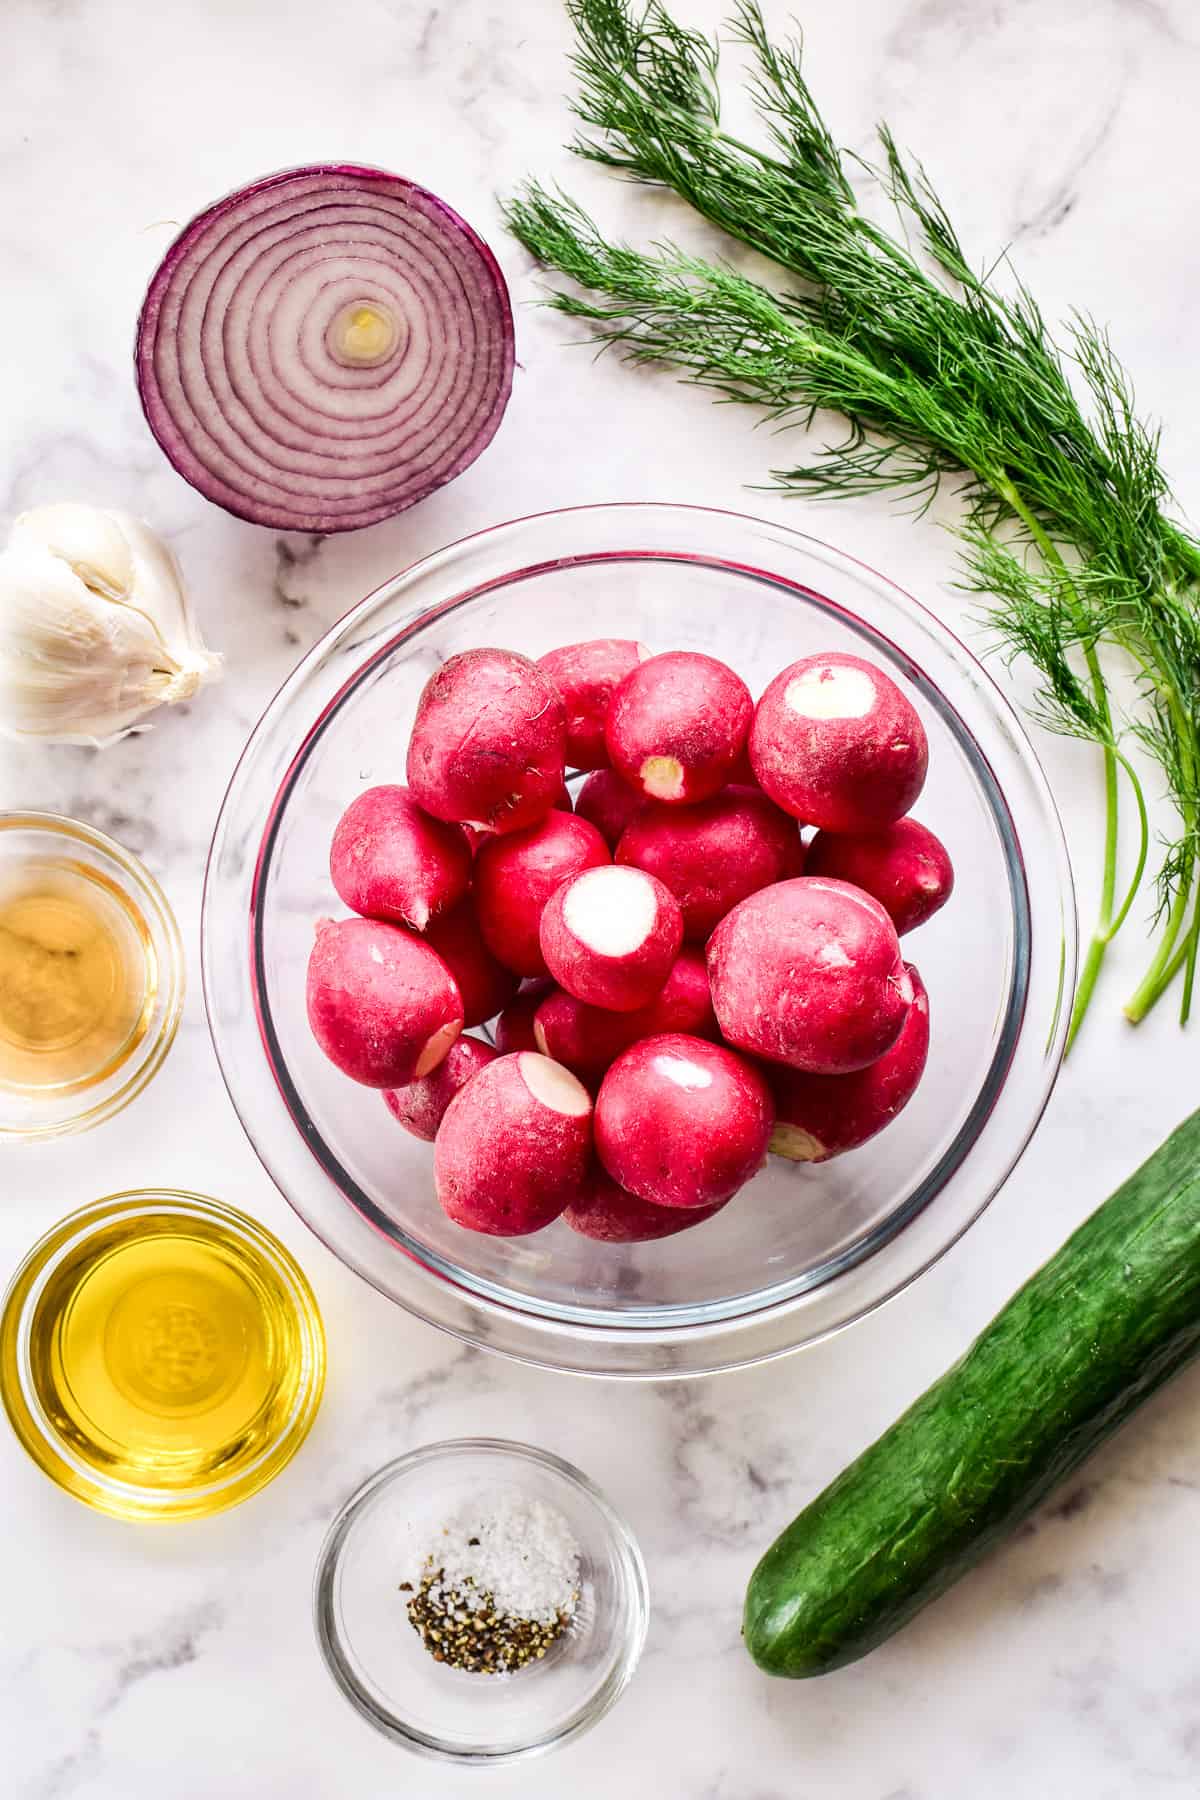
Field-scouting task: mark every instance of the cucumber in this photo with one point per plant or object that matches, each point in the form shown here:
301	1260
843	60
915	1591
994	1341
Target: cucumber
1114	1314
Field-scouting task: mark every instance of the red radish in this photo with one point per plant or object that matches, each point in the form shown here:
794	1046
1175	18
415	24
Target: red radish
391	860
809	973
583	1038
586	676
714	854
383	1007
836	744
515	876
514	1027
487	745
904	866
677	726
681	1122
514	1147
421	1105
611	1216
742	773
588	1038
610	935
819	1116
610	804
485	984
562	802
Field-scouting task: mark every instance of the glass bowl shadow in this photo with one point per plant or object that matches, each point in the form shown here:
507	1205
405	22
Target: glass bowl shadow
805	1249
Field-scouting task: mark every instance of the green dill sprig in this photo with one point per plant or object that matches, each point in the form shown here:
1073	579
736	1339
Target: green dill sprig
942	375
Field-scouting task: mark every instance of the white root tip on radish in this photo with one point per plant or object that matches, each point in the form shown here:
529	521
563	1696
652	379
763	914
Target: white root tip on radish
436	1047
796	1144
830	692
612	910
554	1086
662	777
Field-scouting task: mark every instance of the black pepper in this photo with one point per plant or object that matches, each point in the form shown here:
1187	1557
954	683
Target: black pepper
463	1627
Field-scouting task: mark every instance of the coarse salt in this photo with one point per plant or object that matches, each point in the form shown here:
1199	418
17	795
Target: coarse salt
520	1551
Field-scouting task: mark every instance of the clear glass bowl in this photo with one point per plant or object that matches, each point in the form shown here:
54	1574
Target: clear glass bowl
379	1539
37	849
805	1249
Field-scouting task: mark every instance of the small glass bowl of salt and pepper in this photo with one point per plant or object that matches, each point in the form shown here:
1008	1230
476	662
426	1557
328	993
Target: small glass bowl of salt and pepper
480	1601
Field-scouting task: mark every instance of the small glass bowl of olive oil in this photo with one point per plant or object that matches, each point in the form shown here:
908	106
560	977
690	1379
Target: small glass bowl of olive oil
161	1355
91	976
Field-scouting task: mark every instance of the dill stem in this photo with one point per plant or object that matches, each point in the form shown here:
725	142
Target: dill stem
1107	925
1164	968
1166	965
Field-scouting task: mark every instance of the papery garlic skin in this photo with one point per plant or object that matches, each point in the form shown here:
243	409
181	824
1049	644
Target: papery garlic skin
95	627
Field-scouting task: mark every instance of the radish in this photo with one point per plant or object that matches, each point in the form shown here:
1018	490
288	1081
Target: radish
609	803
586	1039
904	866
677	726
681	1122
382	1005
610	935
611	1216
421	1105
485	984
837	745
391	860
809	973
514	1147
819	1116
515	876
586	676
487	745
562	802
514	1027
714	854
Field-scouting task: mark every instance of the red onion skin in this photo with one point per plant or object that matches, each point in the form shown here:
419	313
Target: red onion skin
308	513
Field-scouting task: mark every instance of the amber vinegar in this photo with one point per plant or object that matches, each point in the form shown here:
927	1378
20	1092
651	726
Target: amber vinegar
77	977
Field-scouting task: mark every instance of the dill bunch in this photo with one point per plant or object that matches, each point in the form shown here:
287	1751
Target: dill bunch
941	376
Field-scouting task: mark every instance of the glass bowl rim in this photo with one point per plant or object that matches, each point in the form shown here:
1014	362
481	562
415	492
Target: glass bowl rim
23	1403
444	1450
525	1314
168	943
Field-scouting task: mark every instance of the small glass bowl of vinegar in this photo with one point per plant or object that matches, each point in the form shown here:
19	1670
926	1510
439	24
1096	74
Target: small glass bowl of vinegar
161	1355
91	976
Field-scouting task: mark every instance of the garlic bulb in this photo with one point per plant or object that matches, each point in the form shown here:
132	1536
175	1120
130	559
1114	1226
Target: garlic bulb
95	627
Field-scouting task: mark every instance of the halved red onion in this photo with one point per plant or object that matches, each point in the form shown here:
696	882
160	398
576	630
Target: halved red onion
325	347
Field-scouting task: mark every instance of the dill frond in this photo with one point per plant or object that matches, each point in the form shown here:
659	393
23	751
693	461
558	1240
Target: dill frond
943	373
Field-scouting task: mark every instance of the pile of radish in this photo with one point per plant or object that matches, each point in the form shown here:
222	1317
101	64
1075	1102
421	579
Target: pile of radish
675	982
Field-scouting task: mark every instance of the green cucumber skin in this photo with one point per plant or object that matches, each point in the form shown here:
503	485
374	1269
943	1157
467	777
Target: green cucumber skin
1114	1314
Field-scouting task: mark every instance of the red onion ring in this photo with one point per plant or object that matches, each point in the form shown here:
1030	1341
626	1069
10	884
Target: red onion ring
324	348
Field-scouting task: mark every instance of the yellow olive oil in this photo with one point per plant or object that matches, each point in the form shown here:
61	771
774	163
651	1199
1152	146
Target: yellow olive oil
167	1354
77	977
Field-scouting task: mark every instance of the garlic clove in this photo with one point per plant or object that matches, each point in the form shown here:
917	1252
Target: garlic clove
74	667
159	592
90	541
95	627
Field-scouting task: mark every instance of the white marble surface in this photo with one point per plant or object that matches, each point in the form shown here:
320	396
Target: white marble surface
136	1663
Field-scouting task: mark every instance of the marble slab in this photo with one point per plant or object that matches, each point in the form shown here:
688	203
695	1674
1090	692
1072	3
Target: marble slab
137	1663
